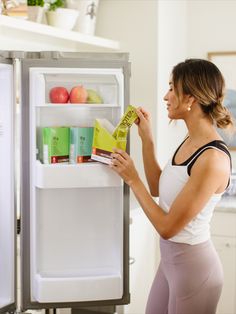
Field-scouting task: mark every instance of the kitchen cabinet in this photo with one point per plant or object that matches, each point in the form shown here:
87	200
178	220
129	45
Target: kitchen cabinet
223	229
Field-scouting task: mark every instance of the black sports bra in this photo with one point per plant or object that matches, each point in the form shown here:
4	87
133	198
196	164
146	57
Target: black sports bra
191	160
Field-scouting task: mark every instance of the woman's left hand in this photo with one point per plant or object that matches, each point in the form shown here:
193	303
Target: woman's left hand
123	165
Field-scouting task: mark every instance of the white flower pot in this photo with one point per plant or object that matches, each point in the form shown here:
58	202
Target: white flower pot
63	18
86	22
35	13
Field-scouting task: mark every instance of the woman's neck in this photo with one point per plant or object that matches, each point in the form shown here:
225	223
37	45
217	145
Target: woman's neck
201	130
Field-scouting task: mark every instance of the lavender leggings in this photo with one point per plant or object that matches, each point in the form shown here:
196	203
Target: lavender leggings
188	281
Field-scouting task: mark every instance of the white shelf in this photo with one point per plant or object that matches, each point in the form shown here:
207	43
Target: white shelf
41	29
69	105
81	288
90	174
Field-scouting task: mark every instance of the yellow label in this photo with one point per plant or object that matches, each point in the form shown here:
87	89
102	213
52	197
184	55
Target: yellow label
126	121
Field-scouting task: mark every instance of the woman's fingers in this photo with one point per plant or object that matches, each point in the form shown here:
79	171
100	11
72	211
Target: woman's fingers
140	113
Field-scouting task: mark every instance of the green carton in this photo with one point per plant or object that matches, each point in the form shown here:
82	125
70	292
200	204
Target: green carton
54	144
81	139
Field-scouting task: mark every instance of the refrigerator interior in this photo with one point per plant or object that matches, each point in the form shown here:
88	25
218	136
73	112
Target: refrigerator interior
76	248
7	215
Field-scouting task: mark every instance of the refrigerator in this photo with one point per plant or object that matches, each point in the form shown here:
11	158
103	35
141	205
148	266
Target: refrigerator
74	218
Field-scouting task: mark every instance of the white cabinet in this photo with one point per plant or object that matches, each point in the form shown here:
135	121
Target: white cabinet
224	238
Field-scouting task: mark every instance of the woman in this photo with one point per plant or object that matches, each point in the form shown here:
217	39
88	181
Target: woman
189	278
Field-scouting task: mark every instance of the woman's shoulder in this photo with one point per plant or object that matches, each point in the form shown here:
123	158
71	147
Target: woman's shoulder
213	162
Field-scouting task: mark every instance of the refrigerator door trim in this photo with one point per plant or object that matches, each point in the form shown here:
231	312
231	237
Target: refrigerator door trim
4	60
64	62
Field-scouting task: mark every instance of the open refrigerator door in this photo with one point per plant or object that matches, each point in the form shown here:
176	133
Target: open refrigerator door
74	215
7	204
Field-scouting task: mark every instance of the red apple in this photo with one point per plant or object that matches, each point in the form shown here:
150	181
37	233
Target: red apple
78	94
59	95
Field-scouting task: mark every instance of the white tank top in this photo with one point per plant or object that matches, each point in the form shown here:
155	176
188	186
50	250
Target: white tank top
172	180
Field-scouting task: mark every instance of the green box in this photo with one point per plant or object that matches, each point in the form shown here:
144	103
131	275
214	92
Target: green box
81	139
54	144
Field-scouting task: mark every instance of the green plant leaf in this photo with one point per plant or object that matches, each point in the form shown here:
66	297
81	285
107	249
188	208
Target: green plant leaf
35	3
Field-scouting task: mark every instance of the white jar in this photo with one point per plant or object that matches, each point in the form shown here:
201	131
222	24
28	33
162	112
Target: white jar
86	22
62	17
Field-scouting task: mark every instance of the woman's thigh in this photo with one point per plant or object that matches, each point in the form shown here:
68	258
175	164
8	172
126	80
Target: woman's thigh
159	294
195	279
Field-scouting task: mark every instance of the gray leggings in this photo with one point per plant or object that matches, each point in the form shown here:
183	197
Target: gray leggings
188	281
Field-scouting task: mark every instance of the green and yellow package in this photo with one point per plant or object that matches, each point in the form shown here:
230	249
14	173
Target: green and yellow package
126	121
106	137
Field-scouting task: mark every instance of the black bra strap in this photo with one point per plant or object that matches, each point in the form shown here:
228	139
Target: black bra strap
221	146
173	158
186	162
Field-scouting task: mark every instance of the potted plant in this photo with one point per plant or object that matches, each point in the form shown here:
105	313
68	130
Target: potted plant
35	3
35	10
52	5
60	16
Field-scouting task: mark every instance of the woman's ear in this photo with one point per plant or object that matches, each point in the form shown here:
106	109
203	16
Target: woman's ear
191	100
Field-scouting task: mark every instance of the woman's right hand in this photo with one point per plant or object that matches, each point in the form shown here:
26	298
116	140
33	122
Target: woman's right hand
144	124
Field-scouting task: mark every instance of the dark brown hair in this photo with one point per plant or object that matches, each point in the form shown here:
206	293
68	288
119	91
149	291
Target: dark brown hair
204	81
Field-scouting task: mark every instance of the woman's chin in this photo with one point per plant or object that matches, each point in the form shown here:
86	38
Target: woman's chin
170	116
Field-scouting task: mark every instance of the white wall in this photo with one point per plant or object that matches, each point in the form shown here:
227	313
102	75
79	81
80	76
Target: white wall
172	48
134	25
211	26
188	29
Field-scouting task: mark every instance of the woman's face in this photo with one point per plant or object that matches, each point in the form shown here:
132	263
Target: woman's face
176	106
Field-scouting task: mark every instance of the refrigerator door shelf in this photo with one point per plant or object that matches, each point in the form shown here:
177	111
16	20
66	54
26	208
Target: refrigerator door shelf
107	83
69	105
82	175
73	289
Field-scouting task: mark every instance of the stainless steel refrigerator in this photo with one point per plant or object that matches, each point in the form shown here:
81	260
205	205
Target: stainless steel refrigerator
74	218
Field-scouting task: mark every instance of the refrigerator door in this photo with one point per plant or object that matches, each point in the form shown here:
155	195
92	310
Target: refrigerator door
7	210
74	216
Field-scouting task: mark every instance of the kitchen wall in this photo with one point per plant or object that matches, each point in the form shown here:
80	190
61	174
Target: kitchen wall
172	48
188	29
134	25
211	26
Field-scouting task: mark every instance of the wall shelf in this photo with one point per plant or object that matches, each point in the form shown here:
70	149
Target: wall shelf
25	26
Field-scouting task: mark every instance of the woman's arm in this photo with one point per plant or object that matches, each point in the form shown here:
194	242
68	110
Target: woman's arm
151	166
209	175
